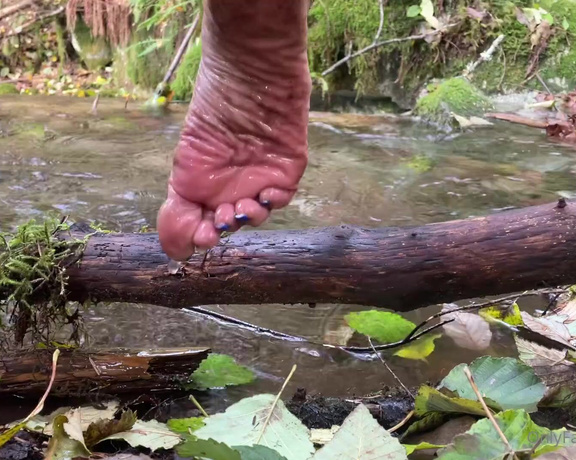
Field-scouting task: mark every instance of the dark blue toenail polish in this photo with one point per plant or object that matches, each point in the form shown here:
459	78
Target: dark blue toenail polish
242	217
223	227
265	203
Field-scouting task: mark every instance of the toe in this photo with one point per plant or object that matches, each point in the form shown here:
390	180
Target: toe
206	235
224	218
275	198
178	220
251	212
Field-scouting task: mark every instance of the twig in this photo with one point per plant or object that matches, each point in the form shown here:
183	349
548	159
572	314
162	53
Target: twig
390	370
181	50
12	9
198	406
381	26
382	43
275	402
388	346
488	411
485	56
402	422
95	104
243	324
24	27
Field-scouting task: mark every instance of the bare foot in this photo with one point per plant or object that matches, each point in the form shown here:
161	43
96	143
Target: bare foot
243	148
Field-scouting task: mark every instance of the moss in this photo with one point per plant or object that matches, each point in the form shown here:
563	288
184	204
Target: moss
8	88
145	67
456	95
183	84
420	163
559	69
95	52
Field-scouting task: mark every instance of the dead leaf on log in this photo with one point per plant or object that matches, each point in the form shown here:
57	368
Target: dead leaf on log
468	330
552	367
549	327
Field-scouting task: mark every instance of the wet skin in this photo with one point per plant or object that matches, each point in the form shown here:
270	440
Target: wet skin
243	148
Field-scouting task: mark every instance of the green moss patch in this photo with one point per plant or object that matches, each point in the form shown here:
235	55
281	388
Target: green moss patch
183	84
7	88
456	95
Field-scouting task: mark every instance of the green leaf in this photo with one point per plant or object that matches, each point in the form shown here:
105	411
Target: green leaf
383	326
9	434
150	434
101	429
4	72
431	400
548	18
427	12
61	446
510	315
258	453
482	440
218	371
361	438
185	425
243	424
207	448
411	448
506	382
419	349
413	11
427	423
565	24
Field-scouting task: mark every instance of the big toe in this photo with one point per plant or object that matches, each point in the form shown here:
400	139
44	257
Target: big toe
178	220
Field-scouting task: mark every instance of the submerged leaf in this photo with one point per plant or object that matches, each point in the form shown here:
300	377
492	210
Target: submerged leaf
428	422
550	327
482	440
469	330
510	314
505	382
431	400
242	424
566	453
419	349
383	326
218	371
361	438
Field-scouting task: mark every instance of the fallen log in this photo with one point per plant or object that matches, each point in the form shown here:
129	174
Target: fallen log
396	268
105	371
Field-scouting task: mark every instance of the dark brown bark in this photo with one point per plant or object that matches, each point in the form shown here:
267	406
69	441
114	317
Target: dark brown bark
397	268
104	371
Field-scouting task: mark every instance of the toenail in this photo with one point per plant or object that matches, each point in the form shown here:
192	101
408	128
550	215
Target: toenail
265	203
222	227
242	217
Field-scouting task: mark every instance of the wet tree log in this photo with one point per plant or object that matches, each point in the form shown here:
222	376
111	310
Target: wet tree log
104	371
397	268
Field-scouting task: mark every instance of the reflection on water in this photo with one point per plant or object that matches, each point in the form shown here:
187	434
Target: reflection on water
364	170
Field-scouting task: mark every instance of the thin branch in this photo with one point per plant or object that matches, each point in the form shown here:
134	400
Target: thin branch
24	27
488	411
382	43
485	56
403	422
275	402
180	53
12	9
390	370
381	26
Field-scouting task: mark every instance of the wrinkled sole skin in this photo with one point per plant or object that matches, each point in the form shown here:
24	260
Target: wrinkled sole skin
243	147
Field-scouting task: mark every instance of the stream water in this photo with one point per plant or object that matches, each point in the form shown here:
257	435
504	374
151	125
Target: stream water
364	170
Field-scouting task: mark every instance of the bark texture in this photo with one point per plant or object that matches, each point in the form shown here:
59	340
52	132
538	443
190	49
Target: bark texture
397	268
104	371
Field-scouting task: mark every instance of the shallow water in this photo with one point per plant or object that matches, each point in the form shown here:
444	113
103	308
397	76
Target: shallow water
364	170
